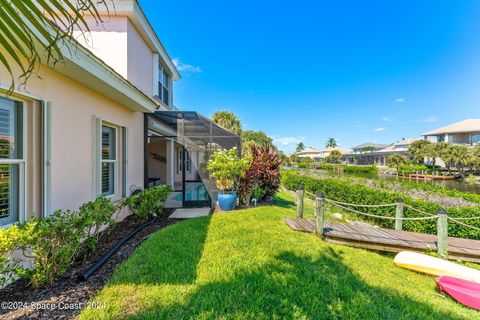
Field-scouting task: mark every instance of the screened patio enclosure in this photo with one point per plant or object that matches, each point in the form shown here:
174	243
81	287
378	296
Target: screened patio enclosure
178	146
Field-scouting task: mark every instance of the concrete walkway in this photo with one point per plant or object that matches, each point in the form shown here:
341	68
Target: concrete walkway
190	213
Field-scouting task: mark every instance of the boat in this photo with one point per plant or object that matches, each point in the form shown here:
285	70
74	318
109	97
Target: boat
464	291
435	266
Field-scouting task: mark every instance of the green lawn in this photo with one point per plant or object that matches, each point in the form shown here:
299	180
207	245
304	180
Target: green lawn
249	265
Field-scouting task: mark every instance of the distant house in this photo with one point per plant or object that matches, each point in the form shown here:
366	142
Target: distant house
368	147
463	132
327	151
309	152
319	155
377	154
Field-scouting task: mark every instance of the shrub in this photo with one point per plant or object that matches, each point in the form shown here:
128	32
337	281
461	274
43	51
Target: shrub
227	167
53	242
97	214
350	168
262	173
354	193
149	202
411	168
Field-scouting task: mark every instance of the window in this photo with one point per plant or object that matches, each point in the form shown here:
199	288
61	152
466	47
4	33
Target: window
11	160
475	138
109	161
164	85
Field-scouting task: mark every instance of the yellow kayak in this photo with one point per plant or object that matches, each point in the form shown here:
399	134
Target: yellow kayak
435	266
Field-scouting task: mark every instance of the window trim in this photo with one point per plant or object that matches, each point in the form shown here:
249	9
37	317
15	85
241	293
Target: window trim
114	161
120	182
21	162
161	85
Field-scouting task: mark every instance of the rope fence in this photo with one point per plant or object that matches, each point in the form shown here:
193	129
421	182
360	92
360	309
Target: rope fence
441	217
378	216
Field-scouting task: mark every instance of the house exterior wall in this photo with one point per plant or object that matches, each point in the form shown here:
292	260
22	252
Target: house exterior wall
118	44
140	61
74	109
108	41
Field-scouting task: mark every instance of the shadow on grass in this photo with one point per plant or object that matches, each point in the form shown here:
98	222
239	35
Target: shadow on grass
168	257
283	203
294	287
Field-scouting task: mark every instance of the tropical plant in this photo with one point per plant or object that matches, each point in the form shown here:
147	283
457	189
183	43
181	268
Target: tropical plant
418	150
331	143
34	31
300	147
436	150
227	167
368	149
459	156
334	156
250	137
149	202
228	120
263	173
395	161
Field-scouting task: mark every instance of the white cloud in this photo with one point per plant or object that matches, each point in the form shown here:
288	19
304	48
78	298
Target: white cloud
388	119
429	119
185	67
285	141
400	100
379	129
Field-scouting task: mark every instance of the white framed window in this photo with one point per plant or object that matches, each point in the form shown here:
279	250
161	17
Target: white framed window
164	85
12	161
109	160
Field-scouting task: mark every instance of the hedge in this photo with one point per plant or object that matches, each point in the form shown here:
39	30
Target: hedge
348	168
354	193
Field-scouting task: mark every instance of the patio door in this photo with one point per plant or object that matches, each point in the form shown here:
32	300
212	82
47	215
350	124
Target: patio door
195	191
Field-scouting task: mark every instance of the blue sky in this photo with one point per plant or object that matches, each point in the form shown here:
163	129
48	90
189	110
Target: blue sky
302	70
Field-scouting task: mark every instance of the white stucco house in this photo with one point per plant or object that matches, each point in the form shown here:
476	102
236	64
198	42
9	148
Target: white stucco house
102	123
462	132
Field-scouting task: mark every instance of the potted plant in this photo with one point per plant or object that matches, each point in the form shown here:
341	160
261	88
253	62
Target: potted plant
226	166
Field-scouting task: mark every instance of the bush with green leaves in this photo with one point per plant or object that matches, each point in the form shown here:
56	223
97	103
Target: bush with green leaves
368	169
346	191
52	243
149	202
227	167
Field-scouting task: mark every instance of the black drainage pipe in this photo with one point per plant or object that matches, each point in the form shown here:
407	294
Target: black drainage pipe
84	276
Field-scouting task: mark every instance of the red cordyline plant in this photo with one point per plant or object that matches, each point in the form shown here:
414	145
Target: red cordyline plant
263	173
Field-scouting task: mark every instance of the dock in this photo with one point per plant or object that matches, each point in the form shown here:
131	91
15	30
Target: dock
362	235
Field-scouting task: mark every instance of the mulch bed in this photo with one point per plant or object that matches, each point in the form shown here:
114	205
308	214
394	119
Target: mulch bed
68	289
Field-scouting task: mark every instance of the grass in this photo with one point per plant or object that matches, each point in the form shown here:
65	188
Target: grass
249	265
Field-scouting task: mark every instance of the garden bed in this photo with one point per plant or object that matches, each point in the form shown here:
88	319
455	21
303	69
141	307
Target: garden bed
68	290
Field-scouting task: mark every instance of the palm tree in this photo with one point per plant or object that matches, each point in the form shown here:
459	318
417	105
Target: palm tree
331	143
300	147
33	32
334	156
396	161
435	150
418	150
458	155
228	120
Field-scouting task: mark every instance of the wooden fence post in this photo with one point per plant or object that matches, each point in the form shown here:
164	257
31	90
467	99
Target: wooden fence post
320	214
399	215
442	233
299	200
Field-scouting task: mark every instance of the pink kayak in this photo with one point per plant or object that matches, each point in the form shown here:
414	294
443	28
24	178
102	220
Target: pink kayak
464	291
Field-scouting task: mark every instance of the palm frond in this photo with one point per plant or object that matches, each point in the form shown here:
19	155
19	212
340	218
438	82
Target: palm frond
34	30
